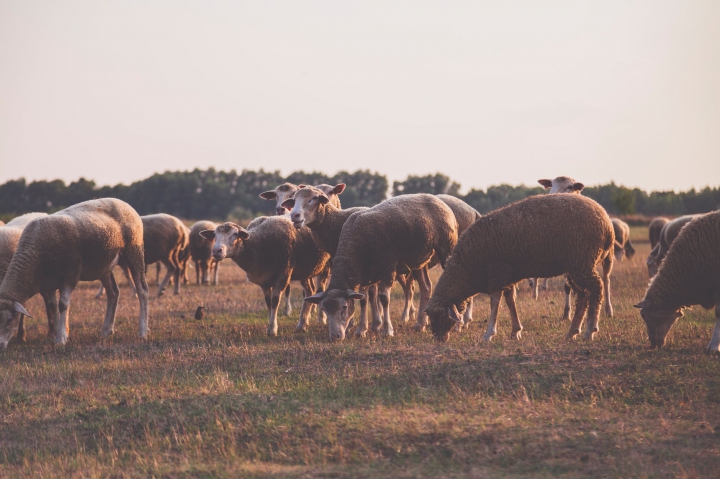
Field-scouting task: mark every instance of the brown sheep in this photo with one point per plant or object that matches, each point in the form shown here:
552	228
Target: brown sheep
201	253
80	243
689	275
396	236
623	245
654	229
287	190
667	235
520	241
271	253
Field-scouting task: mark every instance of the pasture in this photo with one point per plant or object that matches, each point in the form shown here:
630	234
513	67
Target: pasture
217	397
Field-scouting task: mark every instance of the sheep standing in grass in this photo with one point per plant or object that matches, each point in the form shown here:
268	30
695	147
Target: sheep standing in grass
667	235
271	252
9	237
623	245
654	229
396	236
689	275
80	243
521	241
201	253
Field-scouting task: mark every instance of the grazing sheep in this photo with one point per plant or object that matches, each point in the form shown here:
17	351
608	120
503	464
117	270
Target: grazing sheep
396	236
623	245
80	243
656	226
201	253
9	237
689	275
667	235
521	241
272	253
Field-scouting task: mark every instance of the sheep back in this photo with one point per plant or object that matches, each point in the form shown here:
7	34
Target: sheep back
654	229
163	234
465	214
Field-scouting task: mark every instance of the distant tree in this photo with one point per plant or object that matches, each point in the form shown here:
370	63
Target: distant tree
624	201
433	184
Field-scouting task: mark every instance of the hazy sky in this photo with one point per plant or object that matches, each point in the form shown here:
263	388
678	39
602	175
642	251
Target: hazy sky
485	92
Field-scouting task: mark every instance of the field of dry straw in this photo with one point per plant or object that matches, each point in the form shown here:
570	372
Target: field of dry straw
217	397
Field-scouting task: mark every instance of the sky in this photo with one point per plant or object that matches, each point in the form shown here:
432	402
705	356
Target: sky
486	92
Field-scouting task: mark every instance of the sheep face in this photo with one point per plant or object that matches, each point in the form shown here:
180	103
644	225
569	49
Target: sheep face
658	321
339	306
305	204
228	240
279	195
10	312
562	184
442	320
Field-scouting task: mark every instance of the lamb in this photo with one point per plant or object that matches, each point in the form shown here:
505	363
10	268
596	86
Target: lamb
519	241
80	243
623	245
201	253
272	253
654	229
9	237
689	275
667	235
396	236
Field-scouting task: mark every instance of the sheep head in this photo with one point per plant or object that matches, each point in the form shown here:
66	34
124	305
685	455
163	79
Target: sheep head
442	319
10	313
304	205
228	238
562	184
279	195
339	306
658	320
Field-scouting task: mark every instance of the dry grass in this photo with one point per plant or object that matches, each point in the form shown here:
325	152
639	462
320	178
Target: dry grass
218	398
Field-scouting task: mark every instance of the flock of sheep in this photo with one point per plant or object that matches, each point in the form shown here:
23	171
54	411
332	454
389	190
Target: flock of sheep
362	252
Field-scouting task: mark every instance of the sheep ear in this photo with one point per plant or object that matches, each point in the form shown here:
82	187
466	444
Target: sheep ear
208	234
268	195
323	199
578	187
643	304
454	313
339	188
302	186
19	308
288	204
242	234
315	298
546	183
355	295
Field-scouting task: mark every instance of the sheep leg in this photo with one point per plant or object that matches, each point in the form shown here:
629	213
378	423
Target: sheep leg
288	306
126	272
492	322
135	261
157	273
198	267
408	286
384	297
272	300
545	284
100	291
51	309
566	309
534	285
308	290
581	306
607	269
113	295
362	329
467	316
178	270
714	346
170	270
425	287
322	285
510	295
216	269
375	308
595	297
62	327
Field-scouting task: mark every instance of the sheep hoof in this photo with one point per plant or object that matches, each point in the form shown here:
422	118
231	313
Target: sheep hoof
458	327
516	335
272	332
160	294
420	328
609	313
589	335
566	316
360	334
488	336
390	333
573	333
713	348
300	328
105	333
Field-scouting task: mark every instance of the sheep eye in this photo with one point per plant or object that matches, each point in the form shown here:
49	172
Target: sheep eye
344	307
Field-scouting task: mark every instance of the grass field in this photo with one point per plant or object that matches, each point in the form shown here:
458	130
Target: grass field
217	397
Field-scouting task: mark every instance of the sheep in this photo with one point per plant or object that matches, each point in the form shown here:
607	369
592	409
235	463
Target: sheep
80	243
201	253
654	229
520	241
272	253
667	235
9	237
312	208
396	236
287	190
689	275
623	245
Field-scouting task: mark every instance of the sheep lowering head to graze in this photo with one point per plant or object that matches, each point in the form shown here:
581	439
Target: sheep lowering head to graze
562	184
654	229
80	243
399	235
520	241
623	245
689	275
668	233
272	253
287	190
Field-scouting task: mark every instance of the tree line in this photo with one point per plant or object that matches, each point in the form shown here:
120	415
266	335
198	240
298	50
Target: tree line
220	195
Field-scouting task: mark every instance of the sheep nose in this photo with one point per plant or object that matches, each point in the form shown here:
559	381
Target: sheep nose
280	210
295	217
